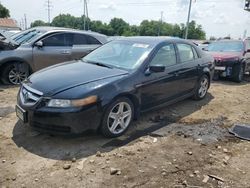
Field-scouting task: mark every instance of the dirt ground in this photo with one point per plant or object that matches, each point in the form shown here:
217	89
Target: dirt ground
183	145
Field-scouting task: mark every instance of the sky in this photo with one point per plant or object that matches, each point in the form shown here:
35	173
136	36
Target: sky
218	18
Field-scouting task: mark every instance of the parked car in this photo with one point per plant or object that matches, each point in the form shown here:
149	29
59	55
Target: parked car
232	58
40	47
109	87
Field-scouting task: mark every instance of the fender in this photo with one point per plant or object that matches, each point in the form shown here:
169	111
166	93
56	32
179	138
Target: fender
15	59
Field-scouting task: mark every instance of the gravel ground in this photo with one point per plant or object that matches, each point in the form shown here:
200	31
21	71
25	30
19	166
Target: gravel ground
183	145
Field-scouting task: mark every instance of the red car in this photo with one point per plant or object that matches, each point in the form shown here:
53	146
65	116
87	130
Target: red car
232	58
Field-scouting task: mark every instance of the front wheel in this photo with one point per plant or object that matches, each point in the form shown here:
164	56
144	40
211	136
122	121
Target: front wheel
238	73
202	88
117	117
14	73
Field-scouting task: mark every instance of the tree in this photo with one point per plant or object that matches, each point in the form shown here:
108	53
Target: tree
119	26
38	23
195	31
149	28
4	12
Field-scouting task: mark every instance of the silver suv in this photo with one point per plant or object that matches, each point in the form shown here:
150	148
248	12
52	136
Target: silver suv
40	47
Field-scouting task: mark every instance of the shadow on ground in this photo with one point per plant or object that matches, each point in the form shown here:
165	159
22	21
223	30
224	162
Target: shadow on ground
65	148
230	82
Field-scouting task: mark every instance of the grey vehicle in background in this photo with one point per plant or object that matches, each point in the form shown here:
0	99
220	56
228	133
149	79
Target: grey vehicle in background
31	50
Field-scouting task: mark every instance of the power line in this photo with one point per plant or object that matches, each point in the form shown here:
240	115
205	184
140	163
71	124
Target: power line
49	7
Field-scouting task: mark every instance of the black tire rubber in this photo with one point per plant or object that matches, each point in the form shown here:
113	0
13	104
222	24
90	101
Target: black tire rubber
5	73
238	73
104	126
196	94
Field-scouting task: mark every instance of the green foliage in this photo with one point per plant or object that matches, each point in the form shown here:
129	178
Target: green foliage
4	12
38	23
118	27
195	31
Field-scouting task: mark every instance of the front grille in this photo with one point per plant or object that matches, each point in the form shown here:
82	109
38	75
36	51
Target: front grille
29	96
217	62
51	128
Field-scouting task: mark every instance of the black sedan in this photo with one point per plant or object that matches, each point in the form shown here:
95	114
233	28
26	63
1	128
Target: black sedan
109	88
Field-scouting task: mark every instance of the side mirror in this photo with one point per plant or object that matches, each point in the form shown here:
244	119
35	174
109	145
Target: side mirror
157	68
39	44
248	51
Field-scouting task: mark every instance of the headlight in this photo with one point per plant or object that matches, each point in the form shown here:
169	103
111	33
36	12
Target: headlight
64	103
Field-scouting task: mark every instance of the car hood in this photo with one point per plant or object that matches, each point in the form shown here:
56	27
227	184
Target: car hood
64	76
6	43
226	55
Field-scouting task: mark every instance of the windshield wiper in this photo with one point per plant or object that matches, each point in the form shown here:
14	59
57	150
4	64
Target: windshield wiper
97	63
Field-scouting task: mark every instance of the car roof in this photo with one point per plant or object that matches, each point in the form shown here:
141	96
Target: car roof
153	40
48	28
228	40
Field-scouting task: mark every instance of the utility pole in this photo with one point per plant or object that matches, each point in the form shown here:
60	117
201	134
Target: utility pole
85	15
160	24
25	21
188	18
49	6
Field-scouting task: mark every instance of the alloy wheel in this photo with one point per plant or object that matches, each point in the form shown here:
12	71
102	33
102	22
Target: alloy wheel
203	87
119	118
17	76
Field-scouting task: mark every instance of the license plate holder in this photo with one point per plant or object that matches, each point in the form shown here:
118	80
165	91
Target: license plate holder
21	114
220	68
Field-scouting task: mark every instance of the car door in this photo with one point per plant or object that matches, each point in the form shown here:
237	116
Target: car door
56	48
190	63
83	44
158	88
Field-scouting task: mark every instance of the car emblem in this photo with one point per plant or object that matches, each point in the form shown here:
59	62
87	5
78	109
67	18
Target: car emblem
25	95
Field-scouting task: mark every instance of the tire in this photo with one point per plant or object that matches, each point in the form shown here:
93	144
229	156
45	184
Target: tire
238	73
117	117
14	73
201	88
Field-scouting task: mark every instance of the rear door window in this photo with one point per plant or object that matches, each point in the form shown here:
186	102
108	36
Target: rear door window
92	40
80	39
185	52
62	39
196	56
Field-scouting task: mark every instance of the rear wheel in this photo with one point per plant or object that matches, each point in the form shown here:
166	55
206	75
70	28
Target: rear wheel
14	73
238	73
202	88
117	117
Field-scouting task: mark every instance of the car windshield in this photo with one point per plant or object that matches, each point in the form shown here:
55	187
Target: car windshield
26	36
226	46
121	54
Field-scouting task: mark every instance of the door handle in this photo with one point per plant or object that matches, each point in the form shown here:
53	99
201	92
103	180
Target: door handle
176	74
65	52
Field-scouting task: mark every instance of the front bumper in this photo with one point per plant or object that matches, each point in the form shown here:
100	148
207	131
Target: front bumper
224	68
58	122
61	120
